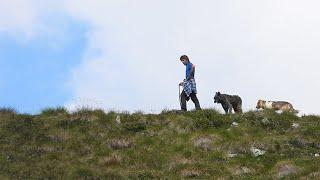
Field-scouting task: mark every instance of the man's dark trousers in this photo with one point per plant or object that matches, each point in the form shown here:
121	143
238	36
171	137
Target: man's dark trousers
185	98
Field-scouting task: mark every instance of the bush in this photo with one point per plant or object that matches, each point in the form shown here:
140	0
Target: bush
208	118
270	120
54	111
135	122
135	126
7	110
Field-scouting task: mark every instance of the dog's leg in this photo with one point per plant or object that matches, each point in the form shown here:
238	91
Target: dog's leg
225	108
235	108
229	107
239	108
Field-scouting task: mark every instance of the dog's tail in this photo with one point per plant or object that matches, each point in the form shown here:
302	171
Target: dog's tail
293	110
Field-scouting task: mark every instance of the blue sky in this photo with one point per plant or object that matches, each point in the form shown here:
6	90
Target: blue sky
124	55
34	73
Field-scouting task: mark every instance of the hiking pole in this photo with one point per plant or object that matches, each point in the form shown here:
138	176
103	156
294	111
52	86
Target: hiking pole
179	95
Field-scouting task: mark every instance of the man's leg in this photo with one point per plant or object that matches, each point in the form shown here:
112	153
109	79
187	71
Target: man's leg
183	101
195	101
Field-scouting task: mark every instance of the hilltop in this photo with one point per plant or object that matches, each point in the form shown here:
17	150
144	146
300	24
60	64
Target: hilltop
92	144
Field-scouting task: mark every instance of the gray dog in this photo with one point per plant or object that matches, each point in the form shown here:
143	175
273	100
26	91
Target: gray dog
228	102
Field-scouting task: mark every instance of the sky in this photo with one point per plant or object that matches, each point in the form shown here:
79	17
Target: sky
123	55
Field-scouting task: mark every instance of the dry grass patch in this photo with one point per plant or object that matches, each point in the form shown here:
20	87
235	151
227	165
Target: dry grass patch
284	168
314	175
191	173
59	136
240	170
120	144
204	143
179	160
113	159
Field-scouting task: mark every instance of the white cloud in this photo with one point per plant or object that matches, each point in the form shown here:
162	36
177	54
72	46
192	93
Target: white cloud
28	19
18	16
257	49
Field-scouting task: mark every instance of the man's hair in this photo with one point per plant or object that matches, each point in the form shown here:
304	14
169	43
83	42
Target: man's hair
185	57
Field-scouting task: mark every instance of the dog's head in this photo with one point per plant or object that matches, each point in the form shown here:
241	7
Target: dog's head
261	104
217	97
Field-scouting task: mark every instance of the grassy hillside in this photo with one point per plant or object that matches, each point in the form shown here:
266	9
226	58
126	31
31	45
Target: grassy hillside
200	144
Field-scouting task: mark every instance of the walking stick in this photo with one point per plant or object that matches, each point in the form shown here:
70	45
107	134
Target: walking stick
179	95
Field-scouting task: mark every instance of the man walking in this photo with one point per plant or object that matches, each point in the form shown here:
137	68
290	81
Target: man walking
189	85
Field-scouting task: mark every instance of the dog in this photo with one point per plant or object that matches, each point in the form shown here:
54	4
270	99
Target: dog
276	105
229	102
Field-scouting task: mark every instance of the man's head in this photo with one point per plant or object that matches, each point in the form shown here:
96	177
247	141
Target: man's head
184	59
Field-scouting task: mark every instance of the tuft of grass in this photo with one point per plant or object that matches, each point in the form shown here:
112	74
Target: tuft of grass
86	114
7	110
54	111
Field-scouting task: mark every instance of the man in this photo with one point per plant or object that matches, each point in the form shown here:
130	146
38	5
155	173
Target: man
189	85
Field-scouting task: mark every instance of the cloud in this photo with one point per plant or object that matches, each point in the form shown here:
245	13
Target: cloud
257	49
38	45
17	16
25	20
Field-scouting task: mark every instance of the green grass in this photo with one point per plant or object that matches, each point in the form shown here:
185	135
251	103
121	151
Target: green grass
90	144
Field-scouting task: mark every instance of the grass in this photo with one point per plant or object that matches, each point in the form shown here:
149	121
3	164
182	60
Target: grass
90	144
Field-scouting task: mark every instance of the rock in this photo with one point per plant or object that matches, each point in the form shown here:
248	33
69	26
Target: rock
316	155
9	157
235	124
265	121
286	169
118	120
231	155
257	152
295	125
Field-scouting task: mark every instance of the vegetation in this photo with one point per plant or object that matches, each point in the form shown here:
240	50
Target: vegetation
92	144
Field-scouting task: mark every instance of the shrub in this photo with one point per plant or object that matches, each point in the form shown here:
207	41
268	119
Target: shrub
7	110
135	126
54	111
208	118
